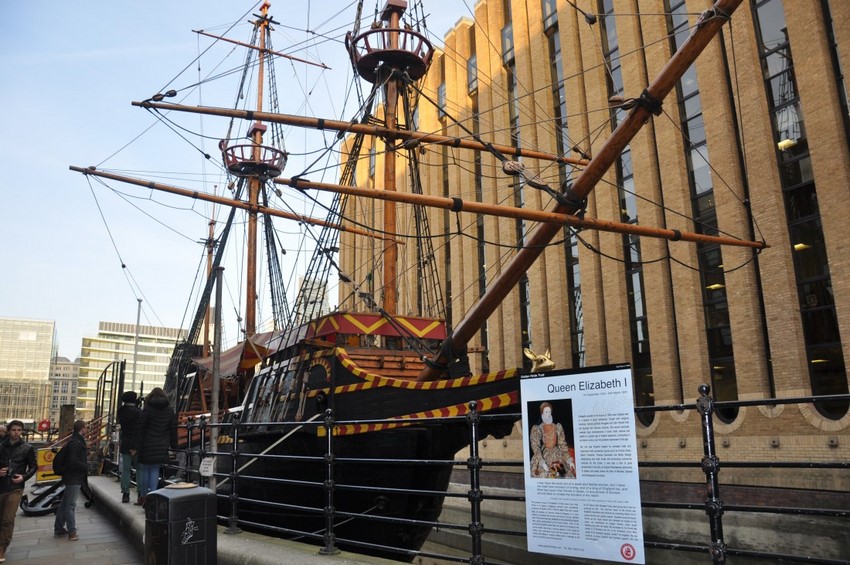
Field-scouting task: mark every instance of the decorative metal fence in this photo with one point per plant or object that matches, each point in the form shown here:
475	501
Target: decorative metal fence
236	471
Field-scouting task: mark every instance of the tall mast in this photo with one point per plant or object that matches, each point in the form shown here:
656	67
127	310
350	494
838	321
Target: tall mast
393	12
383	56
254	182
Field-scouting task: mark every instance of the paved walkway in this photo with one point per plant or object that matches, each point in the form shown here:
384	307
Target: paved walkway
101	541
112	533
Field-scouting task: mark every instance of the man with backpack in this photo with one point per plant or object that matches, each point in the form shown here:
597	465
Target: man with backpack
17	465
73	466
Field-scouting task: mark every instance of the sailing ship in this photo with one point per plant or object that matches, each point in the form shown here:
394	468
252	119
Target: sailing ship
378	371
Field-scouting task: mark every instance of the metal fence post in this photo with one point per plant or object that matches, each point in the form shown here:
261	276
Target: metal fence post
187	473
330	538
202	452
710	466
473	419
232	520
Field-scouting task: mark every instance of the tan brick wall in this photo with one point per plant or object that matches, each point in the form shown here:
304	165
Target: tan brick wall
735	107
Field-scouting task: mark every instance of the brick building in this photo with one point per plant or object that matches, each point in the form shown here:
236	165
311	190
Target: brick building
748	144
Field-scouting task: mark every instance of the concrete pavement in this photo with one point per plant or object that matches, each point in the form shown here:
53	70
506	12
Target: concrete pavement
112	533
245	548
101	542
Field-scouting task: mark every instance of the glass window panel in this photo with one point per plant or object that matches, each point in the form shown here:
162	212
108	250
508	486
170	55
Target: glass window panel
696	130
795	151
771	18
689	81
710	257
678	14
626	162
550	13
617	79
611	33
809	250
628	201
801	203
782	88
704	204
472	73
828	377
789	124
708	223
724	382
777	62
638	295
717	314
693	106
821	326
816	294
700	171
713	280
797	172
719	342
642	358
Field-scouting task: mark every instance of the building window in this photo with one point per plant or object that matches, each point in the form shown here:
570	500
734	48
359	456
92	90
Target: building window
562	139
550	13
827	372
472	73
721	360
633	268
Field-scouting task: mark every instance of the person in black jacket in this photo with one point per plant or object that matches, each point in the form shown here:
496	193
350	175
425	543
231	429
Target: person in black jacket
73	478
128	418
156	433
17	465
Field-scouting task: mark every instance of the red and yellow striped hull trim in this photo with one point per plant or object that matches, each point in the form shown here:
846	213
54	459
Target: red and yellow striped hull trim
484	405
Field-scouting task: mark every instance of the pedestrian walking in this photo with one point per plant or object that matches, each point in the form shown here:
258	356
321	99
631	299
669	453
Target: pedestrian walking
73	477
128	419
156	434
17	465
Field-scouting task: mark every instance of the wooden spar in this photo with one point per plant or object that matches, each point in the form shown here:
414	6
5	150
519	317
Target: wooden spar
455	345
261	49
558	218
220	200
411	137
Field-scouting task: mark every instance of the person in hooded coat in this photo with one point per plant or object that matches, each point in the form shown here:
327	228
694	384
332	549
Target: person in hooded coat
128	419
156	434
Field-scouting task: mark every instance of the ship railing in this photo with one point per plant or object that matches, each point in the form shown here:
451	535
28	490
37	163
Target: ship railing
461	526
397	47
247	160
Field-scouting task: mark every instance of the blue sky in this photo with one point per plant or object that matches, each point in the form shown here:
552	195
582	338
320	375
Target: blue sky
69	73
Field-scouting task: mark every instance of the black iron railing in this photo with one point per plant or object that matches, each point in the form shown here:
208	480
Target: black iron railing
234	470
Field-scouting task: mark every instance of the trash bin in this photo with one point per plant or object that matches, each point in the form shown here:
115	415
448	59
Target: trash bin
180	526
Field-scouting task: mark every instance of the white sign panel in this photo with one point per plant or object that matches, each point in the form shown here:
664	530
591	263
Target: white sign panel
207	467
582	488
